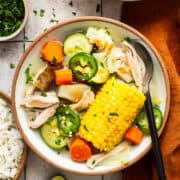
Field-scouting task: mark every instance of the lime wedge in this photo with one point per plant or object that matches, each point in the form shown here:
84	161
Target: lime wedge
57	178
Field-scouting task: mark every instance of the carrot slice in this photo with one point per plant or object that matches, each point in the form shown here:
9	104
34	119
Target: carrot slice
63	76
134	135
80	150
52	52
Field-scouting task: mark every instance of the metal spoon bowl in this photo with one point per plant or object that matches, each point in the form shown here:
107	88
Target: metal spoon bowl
147	59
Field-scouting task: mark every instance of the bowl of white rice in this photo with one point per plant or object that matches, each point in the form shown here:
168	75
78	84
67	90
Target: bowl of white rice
13	151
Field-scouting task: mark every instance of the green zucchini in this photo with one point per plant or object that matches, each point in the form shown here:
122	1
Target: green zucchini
101	76
51	135
76	43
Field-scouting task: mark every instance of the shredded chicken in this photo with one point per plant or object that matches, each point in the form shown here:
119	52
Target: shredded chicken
43	117
44	78
117	63
38	101
94	160
136	64
85	101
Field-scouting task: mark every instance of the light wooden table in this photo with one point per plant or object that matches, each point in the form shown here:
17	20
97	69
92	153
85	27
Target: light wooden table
11	51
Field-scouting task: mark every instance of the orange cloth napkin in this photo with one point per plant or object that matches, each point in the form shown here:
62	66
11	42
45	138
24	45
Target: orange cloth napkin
159	21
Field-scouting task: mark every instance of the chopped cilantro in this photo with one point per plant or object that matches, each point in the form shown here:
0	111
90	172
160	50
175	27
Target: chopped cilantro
54	21
42	11
101	63
71	3
98	7
29	76
74	13
35	12
128	39
12	66
58	141
85	127
53	12
94	161
11	16
26	38
54	60
44	94
113	114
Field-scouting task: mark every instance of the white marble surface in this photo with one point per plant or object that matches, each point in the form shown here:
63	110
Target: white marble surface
11	51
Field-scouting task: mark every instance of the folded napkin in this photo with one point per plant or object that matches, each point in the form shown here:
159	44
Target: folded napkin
159	21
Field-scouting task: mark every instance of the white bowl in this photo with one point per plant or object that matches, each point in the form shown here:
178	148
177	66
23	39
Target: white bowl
5	38
118	31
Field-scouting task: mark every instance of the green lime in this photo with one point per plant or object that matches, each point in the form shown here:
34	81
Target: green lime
57	178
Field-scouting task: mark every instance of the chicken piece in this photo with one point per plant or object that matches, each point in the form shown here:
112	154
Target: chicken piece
117	63
136	64
38	101
73	92
85	101
101	38
97	158
44	78
43	117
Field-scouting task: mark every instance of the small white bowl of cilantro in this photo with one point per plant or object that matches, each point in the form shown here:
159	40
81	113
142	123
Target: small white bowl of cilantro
13	18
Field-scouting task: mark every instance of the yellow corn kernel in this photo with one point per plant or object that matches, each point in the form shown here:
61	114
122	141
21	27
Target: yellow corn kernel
112	112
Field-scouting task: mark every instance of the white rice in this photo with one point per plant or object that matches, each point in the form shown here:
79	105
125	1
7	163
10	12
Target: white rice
11	144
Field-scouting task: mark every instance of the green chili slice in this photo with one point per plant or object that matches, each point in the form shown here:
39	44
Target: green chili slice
68	120
84	66
142	120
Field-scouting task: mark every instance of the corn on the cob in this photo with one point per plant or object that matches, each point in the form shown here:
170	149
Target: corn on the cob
112	112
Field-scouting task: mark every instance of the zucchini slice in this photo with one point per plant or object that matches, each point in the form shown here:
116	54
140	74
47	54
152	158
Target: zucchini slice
76	43
51	135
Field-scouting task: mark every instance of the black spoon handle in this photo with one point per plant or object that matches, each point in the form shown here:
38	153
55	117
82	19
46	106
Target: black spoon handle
154	137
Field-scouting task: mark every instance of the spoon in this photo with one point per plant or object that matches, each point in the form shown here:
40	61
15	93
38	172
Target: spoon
147	59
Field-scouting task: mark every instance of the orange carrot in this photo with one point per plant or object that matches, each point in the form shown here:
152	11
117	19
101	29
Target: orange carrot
52	52
134	135
63	76
80	150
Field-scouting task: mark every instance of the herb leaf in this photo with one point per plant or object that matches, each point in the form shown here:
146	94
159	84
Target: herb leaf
12	66
29	76
44	94
74	13
113	114
53	12
11	16
42	11
98	8
35	12
54	21
71	3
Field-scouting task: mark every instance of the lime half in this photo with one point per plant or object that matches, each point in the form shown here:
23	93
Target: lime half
58	178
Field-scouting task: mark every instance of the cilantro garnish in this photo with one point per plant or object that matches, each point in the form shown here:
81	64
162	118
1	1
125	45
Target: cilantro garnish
11	16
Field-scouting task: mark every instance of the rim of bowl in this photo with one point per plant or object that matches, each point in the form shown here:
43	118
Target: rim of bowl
14	34
25	149
106	20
